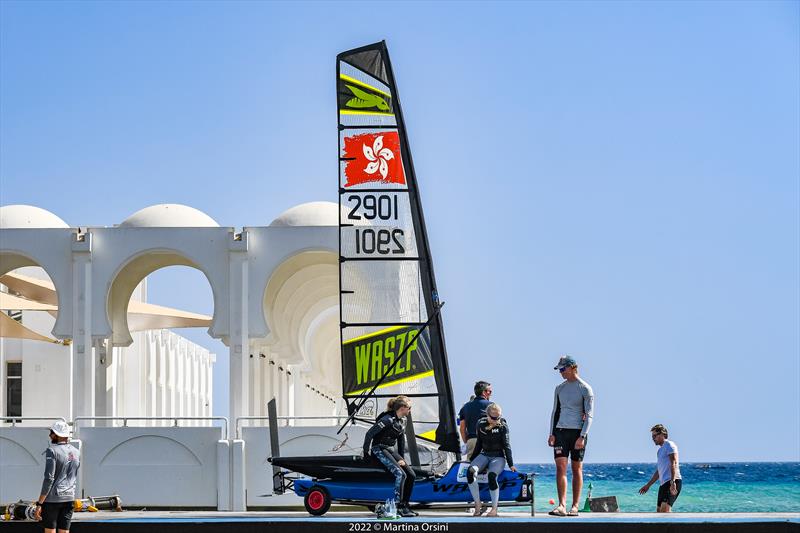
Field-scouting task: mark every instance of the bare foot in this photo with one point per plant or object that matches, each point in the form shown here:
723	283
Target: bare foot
477	511
493	512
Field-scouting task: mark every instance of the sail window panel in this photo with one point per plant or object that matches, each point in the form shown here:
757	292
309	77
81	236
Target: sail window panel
351	73
377	225
363	100
364	120
382	292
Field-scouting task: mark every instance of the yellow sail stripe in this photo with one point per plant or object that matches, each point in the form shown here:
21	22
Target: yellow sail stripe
345	77
429	373
428	435
374	334
351	112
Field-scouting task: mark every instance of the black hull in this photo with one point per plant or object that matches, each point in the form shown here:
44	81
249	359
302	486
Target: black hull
340	467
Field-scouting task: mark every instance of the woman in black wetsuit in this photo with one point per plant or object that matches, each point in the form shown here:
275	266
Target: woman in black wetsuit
492	452
390	429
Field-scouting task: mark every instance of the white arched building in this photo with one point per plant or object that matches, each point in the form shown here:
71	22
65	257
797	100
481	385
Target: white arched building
276	307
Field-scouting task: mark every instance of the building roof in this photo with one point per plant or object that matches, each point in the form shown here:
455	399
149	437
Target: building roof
169	216
309	214
28	216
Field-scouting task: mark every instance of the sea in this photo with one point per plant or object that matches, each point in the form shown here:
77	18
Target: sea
707	487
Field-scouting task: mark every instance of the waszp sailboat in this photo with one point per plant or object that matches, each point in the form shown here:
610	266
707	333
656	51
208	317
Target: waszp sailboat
392	338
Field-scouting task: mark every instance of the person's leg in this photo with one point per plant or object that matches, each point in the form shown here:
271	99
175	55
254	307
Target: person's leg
470	447
393	468
408	486
478	464
577	484
64	517
49	517
561	483
496	466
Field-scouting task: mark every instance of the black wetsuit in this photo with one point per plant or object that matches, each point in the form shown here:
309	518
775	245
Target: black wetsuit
387	431
493	441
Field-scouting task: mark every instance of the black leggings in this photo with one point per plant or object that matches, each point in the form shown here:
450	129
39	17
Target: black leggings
403	475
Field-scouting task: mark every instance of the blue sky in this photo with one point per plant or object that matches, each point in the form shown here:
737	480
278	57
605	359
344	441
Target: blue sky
618	181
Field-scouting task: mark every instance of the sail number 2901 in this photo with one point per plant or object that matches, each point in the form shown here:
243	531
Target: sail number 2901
373	240
383	207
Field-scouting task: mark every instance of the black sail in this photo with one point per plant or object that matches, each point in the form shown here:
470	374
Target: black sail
392	336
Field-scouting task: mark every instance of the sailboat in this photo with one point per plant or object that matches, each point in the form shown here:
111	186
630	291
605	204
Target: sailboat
392	336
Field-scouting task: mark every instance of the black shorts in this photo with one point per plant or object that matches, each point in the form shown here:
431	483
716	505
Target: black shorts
565	444
56	515
665	496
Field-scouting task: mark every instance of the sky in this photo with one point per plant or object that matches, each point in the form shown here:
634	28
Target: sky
619	181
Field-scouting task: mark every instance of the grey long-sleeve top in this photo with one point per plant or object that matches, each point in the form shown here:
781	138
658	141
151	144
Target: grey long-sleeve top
573	400
61	465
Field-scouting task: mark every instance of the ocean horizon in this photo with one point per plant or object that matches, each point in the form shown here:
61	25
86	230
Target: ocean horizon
708	487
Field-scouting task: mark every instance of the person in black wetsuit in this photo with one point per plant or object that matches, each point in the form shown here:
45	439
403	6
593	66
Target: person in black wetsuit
492	451
388	430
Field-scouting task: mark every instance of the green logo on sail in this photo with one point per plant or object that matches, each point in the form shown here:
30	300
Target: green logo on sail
366	359
364	100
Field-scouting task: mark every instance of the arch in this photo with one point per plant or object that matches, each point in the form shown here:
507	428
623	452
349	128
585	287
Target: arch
321	344
11	260
130	274
293	296
13	453
150	450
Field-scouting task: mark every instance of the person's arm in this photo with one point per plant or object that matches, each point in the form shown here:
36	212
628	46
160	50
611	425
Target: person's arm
507	449
376	427
551	440
588	409
649	484
673	468
401	445
49	474
462	428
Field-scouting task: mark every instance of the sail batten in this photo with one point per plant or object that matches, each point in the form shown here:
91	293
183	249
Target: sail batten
392	336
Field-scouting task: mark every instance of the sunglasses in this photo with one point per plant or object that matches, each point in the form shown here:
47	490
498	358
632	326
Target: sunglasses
656	435
563	368
493	417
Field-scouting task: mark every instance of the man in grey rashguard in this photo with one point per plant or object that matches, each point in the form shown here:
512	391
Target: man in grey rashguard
573	409
62	460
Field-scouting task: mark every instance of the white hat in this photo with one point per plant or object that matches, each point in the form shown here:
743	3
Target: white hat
60	428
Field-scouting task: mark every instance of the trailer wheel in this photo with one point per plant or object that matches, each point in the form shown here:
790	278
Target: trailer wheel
317	500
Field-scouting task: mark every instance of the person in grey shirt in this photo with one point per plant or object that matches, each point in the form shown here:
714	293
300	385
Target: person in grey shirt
573	410
62	461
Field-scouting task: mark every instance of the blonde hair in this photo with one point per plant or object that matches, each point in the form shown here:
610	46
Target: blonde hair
494	407
397	402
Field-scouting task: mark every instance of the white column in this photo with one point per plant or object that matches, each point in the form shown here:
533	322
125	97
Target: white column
266	380
82	393
100	357
239	335
290	391
252	378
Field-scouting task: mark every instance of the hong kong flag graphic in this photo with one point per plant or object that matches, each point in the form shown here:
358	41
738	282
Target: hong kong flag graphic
375	157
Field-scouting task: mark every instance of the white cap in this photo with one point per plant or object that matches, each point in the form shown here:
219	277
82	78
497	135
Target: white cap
60	428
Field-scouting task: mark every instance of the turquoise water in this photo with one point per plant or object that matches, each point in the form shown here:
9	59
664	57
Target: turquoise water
715	487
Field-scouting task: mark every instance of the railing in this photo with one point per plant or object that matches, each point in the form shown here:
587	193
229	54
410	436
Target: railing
175	419
238	421
14	420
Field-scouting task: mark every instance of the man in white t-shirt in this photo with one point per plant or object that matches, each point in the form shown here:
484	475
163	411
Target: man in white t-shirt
668	471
